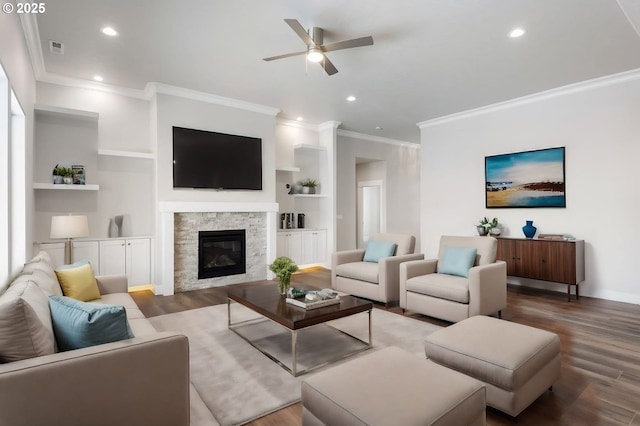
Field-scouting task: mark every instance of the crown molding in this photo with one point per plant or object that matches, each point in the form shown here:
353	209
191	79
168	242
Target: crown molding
308	126
32	37
596	83
328	125
379	139
165	89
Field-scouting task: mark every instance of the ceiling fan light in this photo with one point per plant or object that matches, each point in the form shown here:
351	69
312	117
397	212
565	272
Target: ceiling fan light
315	55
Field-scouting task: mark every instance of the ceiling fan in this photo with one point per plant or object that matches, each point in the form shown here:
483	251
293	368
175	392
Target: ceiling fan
316	50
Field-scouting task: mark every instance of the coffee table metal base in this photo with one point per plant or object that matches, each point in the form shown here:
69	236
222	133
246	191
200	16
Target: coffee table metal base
294	342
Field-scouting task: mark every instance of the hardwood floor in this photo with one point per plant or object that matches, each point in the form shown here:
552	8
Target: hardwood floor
600	344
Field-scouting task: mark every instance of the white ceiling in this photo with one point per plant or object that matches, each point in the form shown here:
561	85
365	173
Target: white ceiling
430	58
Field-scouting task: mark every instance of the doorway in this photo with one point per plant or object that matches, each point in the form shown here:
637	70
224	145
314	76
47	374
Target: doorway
370	210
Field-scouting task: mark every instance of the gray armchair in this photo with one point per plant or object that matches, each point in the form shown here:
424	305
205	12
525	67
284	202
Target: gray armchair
454	298
376	281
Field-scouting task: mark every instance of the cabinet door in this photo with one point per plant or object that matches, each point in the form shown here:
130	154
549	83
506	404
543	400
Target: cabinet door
138	261
282	244
295	247
113	257
55	251
508	251
87	250
313	246
560	262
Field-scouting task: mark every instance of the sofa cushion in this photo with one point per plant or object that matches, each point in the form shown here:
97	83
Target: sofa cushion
25	323
42	279
78	283
78	324
123	299
406	244
487	247
377	250
41	264
442	286
363	271
457	261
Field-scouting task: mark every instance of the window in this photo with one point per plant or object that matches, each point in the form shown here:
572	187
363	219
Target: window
5	239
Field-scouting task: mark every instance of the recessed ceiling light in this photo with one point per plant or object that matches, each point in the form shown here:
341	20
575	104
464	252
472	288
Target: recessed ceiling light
351	98
109	31
299	118
517	32
98	78
378	128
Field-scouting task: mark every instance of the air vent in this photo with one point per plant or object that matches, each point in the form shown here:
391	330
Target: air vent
56	47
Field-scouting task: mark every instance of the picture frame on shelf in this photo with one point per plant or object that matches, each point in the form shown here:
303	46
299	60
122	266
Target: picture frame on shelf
79	176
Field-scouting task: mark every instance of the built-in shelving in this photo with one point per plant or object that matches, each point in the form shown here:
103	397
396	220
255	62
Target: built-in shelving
64	187
55	111
127	154
310	147
287	169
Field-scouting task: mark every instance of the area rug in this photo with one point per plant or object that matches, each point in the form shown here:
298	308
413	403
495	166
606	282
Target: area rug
238	383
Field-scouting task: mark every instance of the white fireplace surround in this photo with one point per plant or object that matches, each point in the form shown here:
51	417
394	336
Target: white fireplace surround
164	259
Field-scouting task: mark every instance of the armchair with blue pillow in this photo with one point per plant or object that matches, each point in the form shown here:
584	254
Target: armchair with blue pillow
465	280
373	273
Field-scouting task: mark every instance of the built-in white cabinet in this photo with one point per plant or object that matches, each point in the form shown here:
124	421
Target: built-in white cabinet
290	244
130	257
303	246
87	250
120	256
313	246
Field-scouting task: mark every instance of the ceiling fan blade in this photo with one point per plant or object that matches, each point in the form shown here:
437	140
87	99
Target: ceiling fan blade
348	44
299	29
328	66
286	55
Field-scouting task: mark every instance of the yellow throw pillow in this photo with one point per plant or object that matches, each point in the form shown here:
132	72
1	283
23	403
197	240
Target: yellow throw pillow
78	283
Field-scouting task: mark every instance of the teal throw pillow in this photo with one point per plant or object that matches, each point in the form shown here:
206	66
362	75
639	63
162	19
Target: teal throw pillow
79	324
73	265
377	250
457	261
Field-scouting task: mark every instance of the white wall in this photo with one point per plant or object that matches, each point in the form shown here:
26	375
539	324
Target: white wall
174	111
126	184
402	187
15	60
599	125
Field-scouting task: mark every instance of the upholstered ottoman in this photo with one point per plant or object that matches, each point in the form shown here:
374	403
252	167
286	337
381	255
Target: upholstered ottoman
517	363
392	387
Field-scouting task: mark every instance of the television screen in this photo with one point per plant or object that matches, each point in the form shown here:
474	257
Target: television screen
203	159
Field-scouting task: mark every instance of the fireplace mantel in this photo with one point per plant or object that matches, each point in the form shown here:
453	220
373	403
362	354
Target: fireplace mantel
164	265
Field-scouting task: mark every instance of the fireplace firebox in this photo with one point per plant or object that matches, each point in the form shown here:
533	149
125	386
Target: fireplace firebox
221	253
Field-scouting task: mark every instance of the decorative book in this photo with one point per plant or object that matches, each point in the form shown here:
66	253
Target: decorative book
313	299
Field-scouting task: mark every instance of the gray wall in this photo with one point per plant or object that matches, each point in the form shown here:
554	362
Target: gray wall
402	187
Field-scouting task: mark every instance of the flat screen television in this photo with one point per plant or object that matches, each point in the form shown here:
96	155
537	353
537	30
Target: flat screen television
212	160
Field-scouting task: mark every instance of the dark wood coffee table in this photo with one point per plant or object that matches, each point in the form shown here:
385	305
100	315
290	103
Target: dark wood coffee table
266	301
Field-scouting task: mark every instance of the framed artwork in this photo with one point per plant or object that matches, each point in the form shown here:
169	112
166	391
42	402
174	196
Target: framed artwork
525	179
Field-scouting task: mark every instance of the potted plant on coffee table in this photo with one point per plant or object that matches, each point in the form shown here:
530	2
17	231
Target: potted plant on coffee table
283	267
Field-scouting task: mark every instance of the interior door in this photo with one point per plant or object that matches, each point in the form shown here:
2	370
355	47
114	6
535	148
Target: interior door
370	210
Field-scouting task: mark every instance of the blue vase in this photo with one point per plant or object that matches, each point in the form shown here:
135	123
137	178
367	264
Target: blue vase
529	230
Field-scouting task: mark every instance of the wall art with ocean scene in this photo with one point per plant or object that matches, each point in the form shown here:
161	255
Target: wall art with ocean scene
525	179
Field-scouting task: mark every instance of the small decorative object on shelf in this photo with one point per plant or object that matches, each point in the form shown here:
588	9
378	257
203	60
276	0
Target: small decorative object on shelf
283	267
309	186
485	227
62	174
529	230
79	177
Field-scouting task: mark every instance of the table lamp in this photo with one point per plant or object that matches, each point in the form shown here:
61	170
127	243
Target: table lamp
69	227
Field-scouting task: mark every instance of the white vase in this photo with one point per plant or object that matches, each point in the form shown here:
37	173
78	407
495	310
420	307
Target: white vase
125	226
113	228
305	189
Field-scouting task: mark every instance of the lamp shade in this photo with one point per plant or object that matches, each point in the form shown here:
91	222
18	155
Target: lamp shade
69	226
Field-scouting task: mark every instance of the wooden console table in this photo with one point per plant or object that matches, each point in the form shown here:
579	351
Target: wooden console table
547	260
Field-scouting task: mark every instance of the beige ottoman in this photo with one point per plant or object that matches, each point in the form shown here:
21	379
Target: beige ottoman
392	387
517	363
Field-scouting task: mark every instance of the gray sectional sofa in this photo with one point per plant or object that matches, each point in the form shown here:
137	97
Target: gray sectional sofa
142	380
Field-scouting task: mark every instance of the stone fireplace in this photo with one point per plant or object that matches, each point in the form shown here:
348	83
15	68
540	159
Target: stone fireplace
222	232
